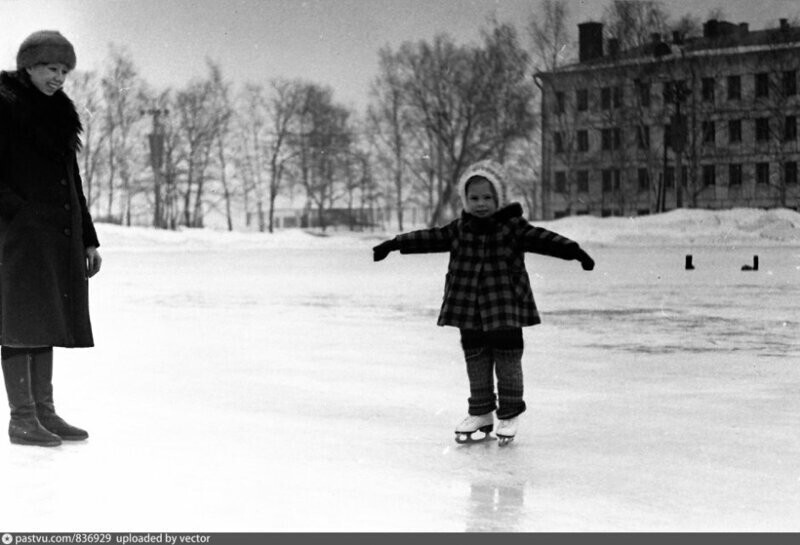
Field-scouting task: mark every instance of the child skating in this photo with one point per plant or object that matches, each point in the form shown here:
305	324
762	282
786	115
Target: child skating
487	293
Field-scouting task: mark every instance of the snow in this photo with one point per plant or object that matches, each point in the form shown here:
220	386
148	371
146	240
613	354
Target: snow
263	383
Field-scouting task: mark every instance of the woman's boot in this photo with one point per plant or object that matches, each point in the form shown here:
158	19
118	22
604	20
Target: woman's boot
24	427
42	385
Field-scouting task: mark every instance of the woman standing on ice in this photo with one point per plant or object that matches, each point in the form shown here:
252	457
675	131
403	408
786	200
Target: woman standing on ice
48	244
487	292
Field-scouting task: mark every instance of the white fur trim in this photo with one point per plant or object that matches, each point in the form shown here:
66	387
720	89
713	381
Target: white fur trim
492	171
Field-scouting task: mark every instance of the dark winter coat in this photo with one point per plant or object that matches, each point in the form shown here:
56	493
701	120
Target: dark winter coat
45	225
487	286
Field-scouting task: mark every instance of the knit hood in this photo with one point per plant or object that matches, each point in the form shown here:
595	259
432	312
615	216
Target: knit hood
492	171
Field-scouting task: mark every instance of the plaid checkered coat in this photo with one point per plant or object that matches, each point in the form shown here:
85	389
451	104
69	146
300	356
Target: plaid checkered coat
487	286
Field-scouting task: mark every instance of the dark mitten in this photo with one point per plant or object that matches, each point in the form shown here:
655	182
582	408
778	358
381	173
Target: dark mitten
586	262
380	251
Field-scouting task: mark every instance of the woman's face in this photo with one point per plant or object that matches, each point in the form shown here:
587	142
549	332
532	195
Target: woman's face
48	78
481	201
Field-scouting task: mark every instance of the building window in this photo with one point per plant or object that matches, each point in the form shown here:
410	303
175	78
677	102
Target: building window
643	90
734	130
790	128
582	177
762	85
605	139
708	132
582	99
762	173
674	91
762	129
605	98
734	174
790	173
734	87
610	180
610	97
668	136
611	139
558	142
561	181
709	175
560	106
669	177
644	179
643	137
708	89
790	83
583	140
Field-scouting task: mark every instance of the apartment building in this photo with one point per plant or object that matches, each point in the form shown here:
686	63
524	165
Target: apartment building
704	122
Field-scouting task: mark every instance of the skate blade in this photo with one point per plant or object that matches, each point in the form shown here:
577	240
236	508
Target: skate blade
467	438
504	440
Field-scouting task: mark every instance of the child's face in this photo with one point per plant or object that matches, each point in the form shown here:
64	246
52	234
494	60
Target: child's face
481	201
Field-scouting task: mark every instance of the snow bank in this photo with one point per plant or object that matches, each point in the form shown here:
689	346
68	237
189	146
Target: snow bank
736	226
728	227
149	239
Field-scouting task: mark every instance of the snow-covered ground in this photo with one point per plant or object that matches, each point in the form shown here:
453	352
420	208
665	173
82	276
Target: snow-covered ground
253	382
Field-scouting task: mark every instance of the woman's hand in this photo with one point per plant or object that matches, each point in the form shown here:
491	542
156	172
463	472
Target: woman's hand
93	261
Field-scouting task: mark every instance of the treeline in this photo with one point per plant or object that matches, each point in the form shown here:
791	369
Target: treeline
171	157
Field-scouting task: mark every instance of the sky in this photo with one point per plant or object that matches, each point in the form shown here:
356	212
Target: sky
330	42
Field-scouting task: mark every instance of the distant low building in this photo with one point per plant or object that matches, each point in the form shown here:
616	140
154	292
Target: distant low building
707	122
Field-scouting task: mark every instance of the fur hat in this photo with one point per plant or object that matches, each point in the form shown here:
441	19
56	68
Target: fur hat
44	47
492	171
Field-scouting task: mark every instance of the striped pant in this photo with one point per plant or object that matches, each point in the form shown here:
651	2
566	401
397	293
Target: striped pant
489	353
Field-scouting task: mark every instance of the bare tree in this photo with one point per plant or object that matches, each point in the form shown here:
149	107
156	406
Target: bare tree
122	101
284	107
549	33
467	103
324	137
84	88
222	108
389	122
633	22
203	112
251	121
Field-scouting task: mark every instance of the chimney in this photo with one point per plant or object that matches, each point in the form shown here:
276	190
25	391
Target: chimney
710	29
744	28
784	24
677	39
590	41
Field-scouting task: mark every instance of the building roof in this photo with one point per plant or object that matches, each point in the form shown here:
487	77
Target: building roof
720	37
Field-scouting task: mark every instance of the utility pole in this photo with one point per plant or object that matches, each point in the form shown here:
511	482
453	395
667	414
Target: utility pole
156	138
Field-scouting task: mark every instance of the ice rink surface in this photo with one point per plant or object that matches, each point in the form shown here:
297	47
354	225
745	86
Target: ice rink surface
258	383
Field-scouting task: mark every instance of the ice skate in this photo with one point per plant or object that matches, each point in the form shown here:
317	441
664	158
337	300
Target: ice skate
472	424
506	430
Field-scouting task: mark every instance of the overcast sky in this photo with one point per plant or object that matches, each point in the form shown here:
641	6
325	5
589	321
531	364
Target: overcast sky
331	42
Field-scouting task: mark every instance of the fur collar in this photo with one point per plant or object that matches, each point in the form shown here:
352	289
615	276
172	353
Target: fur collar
482	225
49	123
